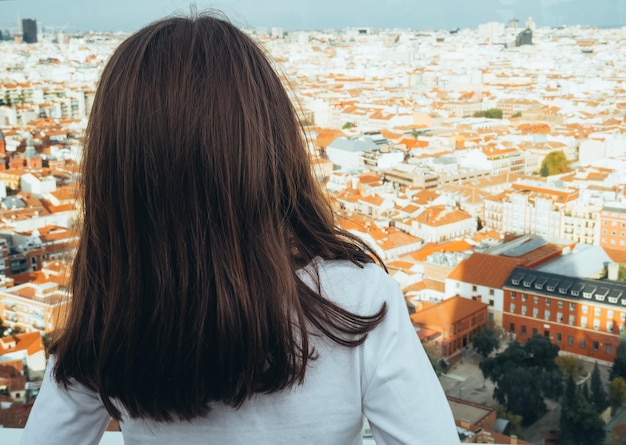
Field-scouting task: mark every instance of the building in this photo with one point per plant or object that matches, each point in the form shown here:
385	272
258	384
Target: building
581	316
613	227
530	207
481	278
442	223
29	30
524	38
34	307
451	324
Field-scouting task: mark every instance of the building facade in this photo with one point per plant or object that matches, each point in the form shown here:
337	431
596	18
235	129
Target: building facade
581	316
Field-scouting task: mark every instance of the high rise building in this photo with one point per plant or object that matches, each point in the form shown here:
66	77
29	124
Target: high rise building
29	30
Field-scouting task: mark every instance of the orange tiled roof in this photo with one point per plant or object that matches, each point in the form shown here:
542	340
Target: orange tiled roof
484	270
447	312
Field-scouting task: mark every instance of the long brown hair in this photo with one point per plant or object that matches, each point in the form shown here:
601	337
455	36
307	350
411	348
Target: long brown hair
199	207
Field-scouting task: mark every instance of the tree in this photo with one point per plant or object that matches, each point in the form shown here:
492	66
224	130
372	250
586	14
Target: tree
479	224
619	364
554	163
598	394
434	356
617	393
486	340
570	365
516	421
524	376
492	113
580	424
348	125
517	114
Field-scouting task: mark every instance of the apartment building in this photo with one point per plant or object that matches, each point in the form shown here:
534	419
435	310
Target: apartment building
34	307
612	223
481	277
581	316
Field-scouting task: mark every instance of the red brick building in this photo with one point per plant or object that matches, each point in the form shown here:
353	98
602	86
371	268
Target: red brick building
581	316
451	323
613	228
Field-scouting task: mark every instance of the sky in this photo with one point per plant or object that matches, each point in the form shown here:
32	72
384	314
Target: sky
130	15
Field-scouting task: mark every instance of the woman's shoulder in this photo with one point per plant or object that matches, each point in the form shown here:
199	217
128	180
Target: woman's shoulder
355	287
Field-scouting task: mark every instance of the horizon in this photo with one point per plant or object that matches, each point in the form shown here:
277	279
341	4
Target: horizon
295	15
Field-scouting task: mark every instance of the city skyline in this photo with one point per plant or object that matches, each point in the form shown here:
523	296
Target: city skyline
117	15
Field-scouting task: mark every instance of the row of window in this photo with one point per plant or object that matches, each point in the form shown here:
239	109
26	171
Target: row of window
597	310
595	345
547	316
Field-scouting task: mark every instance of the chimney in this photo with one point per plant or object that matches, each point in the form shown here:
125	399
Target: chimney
612	269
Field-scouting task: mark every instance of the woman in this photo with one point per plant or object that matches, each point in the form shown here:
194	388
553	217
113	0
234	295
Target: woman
214	300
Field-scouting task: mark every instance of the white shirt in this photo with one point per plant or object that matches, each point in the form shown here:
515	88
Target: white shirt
388	379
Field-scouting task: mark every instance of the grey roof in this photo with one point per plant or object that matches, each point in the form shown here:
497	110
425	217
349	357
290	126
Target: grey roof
585	261
13	202
353	145
609	293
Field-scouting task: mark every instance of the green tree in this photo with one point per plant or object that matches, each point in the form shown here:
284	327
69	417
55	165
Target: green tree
570	365
598	394
579	423
486	340
554	163
517	114
617	393
516	420
493	113
434	356
524	376
619	364
348	125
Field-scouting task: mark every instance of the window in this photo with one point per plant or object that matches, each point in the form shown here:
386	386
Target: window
597	311
523	310
534	331
511	327
609	326
585	308
583	343
596	324
535	312
513	295
458	285
491	292
559	304
570	340
512	307
558	337
524	297
608	348
571	319
572	306
536	299
610	314
583	322
595	346
548	301
474	288
523	331
491	303
622	316
559	317
546	315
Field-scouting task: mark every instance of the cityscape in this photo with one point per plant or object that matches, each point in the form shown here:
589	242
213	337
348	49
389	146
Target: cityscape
485	165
